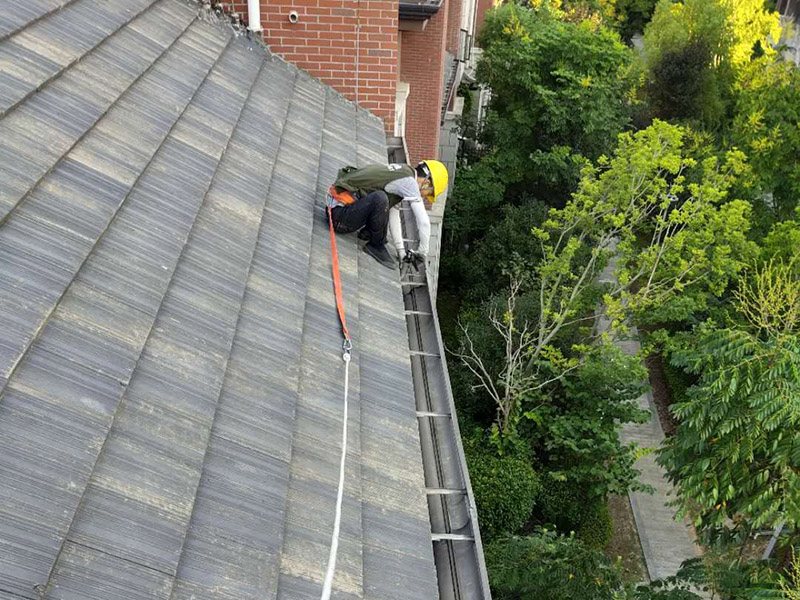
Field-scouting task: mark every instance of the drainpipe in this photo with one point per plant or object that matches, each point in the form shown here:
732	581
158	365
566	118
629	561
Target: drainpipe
254	15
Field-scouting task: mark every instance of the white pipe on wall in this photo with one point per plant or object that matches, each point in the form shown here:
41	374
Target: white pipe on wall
254	15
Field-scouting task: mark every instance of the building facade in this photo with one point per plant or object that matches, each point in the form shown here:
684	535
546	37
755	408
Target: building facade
790	19
401	60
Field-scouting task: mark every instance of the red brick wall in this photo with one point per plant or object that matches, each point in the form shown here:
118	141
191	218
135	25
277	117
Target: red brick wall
453	25
323	43
421	66
480	17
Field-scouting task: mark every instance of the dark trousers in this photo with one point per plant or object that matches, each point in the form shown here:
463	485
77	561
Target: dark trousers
370	212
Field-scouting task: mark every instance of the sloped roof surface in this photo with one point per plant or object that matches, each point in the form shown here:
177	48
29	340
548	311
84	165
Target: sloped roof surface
170	366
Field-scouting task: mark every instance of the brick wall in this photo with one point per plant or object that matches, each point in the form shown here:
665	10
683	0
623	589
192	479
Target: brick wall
480	17
453	25
323	43
421	66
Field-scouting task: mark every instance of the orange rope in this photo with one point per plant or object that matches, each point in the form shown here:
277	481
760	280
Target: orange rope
337	281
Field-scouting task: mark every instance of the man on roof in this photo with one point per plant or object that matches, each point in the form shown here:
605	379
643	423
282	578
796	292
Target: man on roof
368	199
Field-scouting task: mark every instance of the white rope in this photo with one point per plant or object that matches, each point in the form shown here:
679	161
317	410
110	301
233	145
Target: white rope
326	586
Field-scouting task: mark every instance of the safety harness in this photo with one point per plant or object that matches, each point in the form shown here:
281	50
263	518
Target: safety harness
347	346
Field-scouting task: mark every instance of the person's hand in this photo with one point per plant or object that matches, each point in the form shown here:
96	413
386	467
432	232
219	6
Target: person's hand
415	258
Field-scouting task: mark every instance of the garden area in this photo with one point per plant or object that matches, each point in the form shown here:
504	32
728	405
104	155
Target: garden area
657	141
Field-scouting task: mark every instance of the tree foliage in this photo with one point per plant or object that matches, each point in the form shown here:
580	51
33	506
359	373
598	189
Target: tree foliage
558	92
736	452
632	16
696	47
767	126
676	243
505	489
692	247
549	566
577	428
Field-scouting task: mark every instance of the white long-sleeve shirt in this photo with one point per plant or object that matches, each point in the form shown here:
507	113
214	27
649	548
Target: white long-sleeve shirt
408	189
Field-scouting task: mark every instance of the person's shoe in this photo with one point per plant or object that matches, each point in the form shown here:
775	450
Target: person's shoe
380	254
363	234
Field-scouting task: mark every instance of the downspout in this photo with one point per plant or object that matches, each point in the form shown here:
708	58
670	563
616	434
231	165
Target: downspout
254	15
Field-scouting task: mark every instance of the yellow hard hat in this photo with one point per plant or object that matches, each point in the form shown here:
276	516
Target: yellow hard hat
437	173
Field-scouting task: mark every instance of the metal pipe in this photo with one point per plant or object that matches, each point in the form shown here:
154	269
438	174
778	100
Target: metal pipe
254	15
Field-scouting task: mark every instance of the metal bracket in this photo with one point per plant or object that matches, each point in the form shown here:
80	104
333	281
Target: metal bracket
451	537
424	414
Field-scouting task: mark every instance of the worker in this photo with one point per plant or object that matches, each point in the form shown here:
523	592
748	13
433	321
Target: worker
368	199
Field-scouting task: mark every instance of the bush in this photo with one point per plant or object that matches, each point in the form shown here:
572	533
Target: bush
596	527
505	489
549	566
560	504
567	506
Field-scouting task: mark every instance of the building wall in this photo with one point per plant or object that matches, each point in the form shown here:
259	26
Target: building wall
480	17
324	40
453	25
421	66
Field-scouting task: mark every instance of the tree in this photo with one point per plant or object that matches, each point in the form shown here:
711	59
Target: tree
632	16
551	566
577	428
693	246
558	94
790	585
712	40
736	452
767	113
732	29
681	84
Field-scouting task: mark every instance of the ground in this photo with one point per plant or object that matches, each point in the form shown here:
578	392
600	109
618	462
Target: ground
625	541
661	393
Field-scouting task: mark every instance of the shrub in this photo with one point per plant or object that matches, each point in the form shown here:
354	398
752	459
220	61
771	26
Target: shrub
505	489
560	504
596	527
567	506
549	566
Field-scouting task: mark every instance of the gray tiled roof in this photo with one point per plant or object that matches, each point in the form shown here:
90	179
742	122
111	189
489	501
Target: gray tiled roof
170	367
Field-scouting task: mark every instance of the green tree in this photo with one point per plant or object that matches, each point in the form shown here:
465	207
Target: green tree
732	29
790	584
577	428
692	247
558	94
681	84
632	16
767	127
736	452
703	43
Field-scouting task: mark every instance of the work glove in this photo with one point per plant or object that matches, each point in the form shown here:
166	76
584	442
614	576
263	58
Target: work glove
415	258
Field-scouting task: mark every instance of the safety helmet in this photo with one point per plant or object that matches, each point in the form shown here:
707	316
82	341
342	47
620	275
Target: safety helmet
437	173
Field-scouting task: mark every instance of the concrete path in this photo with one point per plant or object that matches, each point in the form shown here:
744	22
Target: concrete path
666	543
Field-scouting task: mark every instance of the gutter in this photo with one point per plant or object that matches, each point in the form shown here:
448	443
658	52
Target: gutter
457	545
455	535
419	11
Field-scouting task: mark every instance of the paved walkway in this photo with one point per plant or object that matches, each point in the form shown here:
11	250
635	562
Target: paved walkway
666	543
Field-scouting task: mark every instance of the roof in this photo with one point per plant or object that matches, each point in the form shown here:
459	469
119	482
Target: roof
170	362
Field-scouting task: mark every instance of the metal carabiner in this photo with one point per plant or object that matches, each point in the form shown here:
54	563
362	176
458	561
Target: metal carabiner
347	345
